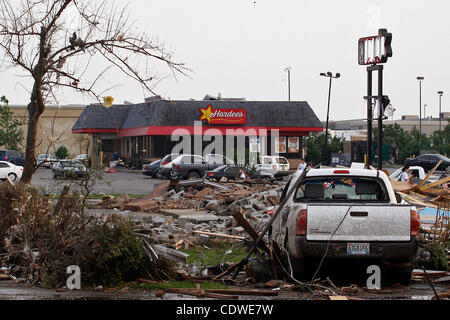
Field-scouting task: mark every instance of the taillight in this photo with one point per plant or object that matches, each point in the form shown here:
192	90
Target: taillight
270	212
341	172
164	163
211	174
301	223
415	223
274	166
178	167
6	158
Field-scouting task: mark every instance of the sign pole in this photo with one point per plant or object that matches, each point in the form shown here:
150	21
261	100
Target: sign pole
380	118
369	117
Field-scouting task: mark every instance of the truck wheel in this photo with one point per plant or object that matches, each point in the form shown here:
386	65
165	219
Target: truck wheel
193	175
12	177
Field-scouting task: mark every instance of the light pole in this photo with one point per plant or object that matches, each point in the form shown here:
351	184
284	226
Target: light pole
420	79
329	75
440	93
288	70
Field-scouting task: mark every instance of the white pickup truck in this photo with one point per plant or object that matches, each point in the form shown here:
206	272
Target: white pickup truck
347	214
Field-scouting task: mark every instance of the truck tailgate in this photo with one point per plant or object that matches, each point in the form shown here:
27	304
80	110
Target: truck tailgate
362	223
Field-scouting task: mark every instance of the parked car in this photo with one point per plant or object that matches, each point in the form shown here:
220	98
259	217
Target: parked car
69	169
46	160
191	166
218	159
347	215
7	169
275	165
151	169
13	156
82	157
429	161
165	169
229	173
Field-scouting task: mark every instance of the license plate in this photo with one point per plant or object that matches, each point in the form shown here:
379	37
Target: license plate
358	248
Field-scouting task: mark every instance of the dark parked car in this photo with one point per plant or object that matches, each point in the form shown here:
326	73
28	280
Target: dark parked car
219	173
13	156
69	169
429	161
151	169
229	173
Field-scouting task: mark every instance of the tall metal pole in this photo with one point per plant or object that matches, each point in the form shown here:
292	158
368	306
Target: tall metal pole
326	129
369	118
380	118
420	118
288	69
440	93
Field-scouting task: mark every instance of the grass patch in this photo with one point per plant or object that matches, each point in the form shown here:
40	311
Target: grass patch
214	255
178	285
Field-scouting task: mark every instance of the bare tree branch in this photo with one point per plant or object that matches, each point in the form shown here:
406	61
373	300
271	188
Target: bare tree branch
39	37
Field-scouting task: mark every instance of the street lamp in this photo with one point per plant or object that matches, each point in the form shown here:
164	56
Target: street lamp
288	70
329	75
420	79
440	93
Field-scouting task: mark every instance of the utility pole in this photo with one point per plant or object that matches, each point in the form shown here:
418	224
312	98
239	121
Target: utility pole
420	79
325	149
288	70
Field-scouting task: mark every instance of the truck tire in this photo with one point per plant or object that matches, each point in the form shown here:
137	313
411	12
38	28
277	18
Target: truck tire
12	177
193	175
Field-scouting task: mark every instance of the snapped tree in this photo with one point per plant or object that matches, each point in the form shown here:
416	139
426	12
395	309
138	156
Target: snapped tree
56	43
11	133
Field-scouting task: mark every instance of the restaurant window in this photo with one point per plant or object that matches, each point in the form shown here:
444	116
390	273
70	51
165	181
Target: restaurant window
107	145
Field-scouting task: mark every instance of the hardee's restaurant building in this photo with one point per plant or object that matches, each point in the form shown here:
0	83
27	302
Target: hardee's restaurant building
145	131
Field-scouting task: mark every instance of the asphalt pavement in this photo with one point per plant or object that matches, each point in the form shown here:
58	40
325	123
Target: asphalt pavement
131	182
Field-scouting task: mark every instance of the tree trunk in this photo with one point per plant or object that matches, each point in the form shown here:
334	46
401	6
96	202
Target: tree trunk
35	109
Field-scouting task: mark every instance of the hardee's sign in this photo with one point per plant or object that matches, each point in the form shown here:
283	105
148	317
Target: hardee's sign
223	116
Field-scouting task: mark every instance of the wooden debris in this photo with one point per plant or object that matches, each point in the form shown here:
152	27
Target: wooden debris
338	298
436	184
249	229
220	235
442	280
443	295
245	292
160	293
429	174
202	293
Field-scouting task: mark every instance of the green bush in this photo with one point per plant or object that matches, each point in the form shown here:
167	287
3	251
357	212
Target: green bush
106	249
438	256
62	153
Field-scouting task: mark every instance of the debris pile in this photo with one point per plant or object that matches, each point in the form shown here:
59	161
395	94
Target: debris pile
433	202
200	207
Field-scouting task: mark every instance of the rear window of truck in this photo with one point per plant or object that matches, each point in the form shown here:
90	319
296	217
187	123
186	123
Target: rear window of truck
342	190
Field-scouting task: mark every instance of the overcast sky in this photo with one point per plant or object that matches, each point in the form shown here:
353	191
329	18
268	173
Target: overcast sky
241	48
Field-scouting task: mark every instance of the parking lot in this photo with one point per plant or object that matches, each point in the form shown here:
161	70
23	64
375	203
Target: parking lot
131	182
